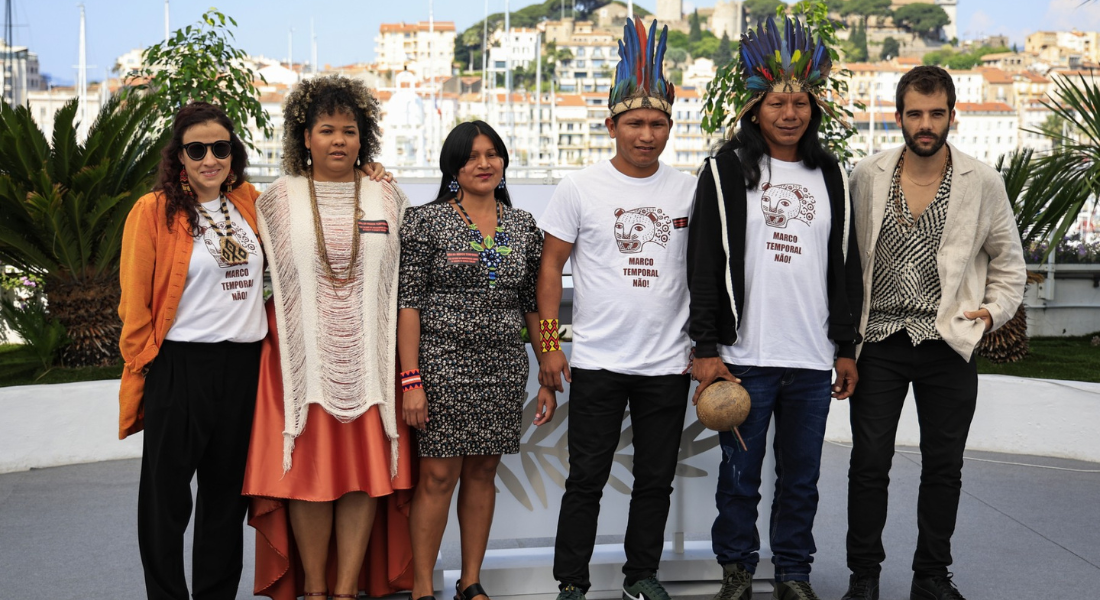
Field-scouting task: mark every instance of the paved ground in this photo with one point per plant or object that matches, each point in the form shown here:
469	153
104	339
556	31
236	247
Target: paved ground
1029	527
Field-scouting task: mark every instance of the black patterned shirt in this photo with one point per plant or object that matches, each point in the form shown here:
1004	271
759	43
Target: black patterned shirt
905	285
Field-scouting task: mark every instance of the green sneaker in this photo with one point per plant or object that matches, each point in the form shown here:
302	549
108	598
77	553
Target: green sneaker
645	589
736	583
570	592
794	590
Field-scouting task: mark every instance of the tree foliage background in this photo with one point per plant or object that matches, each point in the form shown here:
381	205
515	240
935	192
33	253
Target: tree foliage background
199	62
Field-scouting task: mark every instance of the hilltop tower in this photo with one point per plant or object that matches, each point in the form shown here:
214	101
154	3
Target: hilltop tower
729	18
951	7
670	11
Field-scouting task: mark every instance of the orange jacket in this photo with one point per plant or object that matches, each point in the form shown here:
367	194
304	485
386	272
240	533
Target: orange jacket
152	273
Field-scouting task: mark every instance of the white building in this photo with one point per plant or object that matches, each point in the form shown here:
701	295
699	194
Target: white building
44	104
18	73
986	130
128	62
415	120
427	51
520	49
592	68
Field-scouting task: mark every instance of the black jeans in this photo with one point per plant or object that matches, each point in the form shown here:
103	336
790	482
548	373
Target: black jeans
199	400
945	387
597	401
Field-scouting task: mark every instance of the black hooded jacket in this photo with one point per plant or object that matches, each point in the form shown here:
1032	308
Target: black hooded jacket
715	319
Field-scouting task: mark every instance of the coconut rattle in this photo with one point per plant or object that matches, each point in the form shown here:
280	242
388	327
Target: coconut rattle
723	406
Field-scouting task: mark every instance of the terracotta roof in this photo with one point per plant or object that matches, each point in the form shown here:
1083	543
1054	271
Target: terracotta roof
570	100
983	107
911	61
870	67
403	27
687	93
995	75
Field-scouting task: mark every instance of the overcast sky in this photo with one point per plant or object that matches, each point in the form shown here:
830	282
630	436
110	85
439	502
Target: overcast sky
345	29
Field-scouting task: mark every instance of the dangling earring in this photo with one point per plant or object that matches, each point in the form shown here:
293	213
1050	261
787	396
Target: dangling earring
185	184
309	161
753	119
357	161
453	186
229	181
500	186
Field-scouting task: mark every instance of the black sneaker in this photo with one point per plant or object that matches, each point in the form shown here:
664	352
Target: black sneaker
645	589
862	587
934	587
794	590
736	583
570	592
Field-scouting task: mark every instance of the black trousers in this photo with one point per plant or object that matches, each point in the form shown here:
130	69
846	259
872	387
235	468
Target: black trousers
199	400
597	401
945	387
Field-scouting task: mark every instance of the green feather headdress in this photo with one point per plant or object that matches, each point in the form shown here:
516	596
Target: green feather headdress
639	79
793	62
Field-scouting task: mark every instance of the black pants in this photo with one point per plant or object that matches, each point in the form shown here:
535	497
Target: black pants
597	401
945	387
199	400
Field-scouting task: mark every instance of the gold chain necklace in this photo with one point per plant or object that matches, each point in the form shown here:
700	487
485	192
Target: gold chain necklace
348	275
936	180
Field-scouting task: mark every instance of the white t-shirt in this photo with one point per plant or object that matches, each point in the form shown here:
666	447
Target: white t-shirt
785	317
222	302
630	296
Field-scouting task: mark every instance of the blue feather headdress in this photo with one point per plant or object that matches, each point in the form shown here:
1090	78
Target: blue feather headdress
793	62
639	79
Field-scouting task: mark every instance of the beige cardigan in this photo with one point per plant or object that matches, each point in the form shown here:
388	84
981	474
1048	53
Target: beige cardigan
980	260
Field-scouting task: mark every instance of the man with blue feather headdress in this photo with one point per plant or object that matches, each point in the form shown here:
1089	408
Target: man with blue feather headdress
623	225
776	287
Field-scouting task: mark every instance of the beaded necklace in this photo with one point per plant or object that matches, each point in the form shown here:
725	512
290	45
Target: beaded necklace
491	250
336	280
231	250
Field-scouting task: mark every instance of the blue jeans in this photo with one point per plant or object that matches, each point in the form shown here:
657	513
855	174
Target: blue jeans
799	399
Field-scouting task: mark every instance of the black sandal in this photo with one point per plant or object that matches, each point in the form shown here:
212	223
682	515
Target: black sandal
469	593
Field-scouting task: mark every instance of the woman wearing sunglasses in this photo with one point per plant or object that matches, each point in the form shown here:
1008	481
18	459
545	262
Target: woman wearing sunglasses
192	319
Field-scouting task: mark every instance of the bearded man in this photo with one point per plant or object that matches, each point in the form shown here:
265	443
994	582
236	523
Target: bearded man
942	266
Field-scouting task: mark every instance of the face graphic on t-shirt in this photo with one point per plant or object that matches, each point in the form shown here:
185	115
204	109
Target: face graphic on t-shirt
640	226
786	202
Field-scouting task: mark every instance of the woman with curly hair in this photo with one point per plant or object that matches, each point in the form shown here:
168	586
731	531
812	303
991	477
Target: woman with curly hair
192	319
326	444
469	262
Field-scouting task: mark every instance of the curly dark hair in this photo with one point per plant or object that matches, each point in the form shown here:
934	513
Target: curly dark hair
168	181
327	95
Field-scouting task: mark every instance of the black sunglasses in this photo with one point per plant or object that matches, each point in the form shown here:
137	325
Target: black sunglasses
197	150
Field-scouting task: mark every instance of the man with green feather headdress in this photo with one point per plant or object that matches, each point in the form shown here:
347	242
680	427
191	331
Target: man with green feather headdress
776	288
623	225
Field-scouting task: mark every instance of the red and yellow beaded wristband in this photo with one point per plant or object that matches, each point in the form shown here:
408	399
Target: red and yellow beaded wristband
548	333
410	380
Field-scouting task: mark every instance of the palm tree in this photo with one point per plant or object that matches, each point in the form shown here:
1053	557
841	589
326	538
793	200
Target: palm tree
63	206
1039	197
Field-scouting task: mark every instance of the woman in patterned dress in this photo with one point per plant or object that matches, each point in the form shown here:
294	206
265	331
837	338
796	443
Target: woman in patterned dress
469	262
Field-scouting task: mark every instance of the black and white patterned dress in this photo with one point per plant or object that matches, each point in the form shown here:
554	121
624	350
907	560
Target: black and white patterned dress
472	301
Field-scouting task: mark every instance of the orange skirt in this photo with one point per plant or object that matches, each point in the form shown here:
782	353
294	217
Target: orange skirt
330	459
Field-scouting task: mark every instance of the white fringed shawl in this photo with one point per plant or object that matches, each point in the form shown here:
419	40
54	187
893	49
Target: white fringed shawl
331	354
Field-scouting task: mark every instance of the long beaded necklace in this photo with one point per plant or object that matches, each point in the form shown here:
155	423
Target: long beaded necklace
490	250
336	280
231	250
